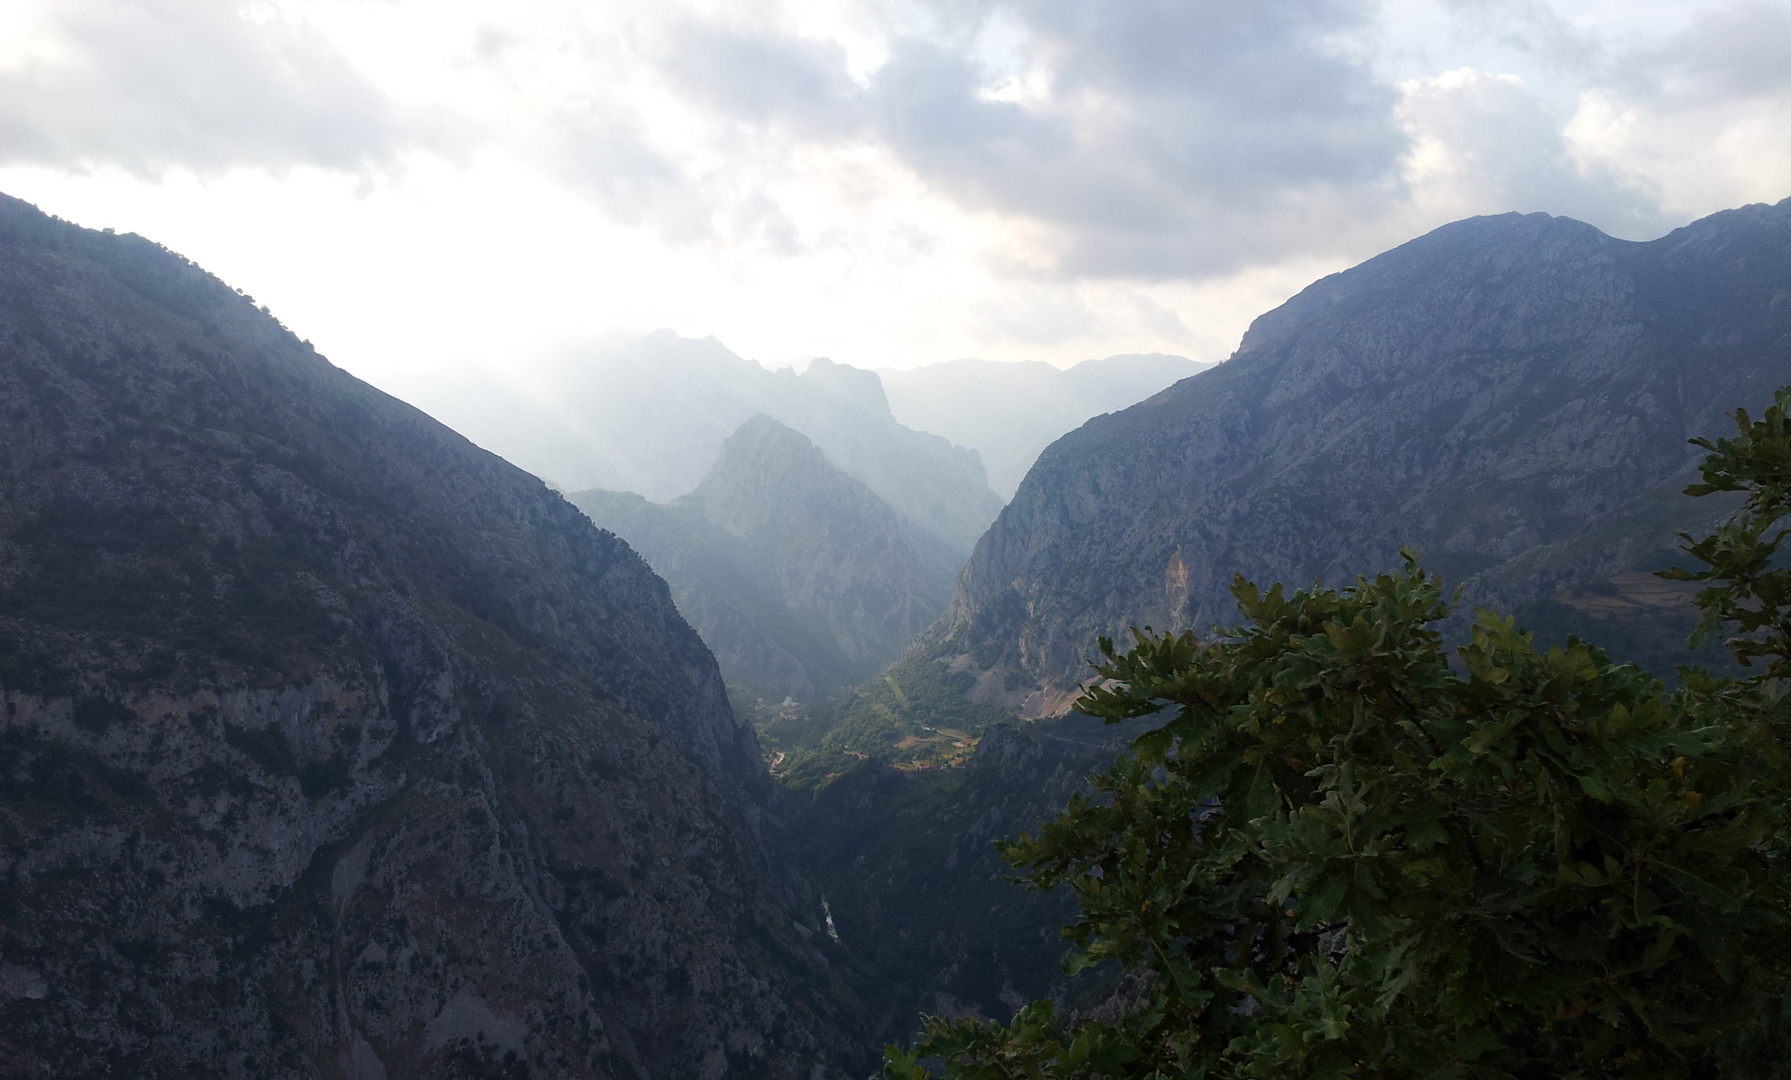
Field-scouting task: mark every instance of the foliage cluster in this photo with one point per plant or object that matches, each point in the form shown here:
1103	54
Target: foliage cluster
1349	852
1747	584
916	714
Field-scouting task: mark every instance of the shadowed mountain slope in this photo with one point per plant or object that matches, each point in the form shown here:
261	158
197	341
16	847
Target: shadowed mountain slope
335	746
799	577
918	891
1510	396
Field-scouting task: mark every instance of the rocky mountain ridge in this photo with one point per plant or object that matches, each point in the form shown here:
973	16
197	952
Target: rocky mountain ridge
335	746
799	577
1510	396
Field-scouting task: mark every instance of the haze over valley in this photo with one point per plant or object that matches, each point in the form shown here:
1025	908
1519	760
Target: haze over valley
1009	412
856	540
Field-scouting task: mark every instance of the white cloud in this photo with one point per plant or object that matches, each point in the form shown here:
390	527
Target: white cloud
1483	143
1699	120
149	85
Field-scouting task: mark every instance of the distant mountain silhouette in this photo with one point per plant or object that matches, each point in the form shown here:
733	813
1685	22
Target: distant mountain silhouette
1009	412
650	418
799	578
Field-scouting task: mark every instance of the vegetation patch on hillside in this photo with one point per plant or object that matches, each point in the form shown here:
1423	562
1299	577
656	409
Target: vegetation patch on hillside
917	715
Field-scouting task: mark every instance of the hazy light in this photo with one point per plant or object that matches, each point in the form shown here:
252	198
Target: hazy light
422	186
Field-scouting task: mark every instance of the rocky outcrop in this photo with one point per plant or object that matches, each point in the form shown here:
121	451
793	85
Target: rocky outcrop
1510	396
798	576
332	745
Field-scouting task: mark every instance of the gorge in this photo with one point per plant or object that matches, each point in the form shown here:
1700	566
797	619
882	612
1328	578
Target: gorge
335	745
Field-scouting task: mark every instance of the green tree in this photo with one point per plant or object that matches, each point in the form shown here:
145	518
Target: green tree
1749	588
1347	853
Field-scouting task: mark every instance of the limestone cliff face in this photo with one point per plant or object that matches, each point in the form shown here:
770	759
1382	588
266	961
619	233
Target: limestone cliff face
334	746
800	578
1510	396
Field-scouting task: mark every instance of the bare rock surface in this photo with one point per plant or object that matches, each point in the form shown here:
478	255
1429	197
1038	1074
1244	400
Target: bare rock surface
1510	396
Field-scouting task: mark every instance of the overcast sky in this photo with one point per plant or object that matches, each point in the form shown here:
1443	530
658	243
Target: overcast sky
421	185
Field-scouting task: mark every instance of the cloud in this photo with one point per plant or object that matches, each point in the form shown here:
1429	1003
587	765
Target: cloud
1157	127
610	156
1227	97
931	111
150	85
1142	138
1484	143
1045	142
1732	53
764	78
1698	119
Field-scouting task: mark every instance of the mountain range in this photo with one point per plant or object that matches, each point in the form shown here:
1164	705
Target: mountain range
650	417
1509	396
335	745
944	444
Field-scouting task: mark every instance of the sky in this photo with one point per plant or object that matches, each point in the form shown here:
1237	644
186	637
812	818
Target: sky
424	187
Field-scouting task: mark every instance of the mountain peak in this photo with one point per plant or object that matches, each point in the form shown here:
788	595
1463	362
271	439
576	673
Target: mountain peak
1477	249
1510	396
854	388
650	415
760	434
798	576
765	469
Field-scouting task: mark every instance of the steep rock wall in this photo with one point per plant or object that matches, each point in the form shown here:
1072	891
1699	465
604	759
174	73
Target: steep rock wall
335	746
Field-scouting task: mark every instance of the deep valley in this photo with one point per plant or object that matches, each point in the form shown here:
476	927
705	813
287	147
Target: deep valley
337	746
